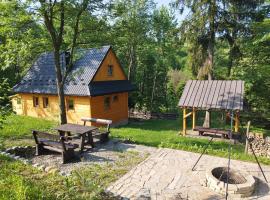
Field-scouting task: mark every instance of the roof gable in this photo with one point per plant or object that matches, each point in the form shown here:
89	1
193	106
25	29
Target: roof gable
102	73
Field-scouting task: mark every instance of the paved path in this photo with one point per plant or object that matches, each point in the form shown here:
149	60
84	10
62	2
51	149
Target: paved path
166	174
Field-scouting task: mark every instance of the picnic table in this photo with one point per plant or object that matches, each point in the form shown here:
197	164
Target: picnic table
76	130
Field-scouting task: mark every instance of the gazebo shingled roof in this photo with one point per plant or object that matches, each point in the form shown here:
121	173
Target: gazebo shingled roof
214	94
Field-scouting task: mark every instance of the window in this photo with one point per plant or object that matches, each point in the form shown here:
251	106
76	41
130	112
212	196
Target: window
107	103
70	104
115	98
45	102
35	101
110	70
19	100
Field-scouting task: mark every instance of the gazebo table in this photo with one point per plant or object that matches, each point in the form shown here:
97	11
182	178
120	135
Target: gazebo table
84	132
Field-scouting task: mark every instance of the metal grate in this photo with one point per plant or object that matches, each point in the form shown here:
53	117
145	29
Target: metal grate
221	173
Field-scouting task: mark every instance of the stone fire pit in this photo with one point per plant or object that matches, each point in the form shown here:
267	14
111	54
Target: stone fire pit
241	184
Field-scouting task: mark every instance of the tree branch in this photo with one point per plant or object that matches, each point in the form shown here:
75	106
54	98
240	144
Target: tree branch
75	36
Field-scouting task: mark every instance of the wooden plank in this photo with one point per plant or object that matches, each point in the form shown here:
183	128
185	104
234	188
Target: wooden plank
212	92
242	96
75	128
198	95
237	89
247	137
216	94
187	115
231	95
194	93
205	85
193	118
220	95
189	93
185	91
207	94
211	130
226	95
184	122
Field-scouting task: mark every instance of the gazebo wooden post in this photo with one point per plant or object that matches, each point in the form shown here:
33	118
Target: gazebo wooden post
237	122
193	118
184	121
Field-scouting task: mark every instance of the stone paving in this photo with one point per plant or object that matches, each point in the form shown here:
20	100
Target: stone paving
166	174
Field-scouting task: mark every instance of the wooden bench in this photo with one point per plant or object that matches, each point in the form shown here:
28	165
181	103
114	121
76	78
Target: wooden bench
215	131
103	135
46	141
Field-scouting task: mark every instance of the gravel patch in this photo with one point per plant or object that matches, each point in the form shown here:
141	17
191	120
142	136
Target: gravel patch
109	152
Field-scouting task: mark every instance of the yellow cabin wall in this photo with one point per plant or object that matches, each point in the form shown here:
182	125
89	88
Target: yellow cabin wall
81	107
118	111
102	73
17	108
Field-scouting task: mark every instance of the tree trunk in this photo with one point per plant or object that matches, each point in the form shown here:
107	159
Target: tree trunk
130	65
60	87
230	64
153	90
62	106
211	44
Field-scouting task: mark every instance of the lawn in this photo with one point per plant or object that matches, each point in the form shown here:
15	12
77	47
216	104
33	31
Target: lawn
165	133
20	182
157	133
18	130
25	182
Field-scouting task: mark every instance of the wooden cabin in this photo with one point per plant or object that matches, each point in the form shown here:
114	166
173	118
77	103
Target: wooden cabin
97	87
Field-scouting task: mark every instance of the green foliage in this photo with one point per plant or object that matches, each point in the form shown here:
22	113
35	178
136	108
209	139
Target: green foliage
21	39
254	67
4	100
152	47
212	22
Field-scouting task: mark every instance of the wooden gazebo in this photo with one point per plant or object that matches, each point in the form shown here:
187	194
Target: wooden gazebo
226	95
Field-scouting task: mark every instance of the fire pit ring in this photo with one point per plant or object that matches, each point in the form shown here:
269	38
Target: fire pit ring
241	184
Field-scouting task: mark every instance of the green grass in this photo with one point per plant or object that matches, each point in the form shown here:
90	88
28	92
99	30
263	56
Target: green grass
165	133
17	127
157	133
25	182
21	182
17	130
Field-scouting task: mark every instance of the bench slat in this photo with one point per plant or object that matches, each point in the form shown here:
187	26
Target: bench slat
211	130
100	121
56	144
41	134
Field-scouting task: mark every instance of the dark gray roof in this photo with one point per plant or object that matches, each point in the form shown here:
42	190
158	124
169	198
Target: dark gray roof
41	78
107	87
216	94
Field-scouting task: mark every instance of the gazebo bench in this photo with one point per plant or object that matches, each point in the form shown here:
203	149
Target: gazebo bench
103	135
215	131
46	141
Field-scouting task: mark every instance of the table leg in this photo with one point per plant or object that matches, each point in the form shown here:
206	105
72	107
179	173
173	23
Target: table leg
82	143
90	139
61	133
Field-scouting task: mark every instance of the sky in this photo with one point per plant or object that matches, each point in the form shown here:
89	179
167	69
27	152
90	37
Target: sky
163	2
179	17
